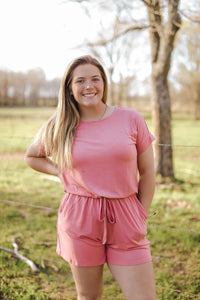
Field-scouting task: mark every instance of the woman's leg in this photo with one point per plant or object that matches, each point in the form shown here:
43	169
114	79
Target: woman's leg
89	282
136	282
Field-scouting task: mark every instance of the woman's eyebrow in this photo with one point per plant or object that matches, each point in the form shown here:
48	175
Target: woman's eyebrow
82	77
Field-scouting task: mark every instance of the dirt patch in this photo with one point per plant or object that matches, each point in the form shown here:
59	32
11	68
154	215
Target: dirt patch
12	155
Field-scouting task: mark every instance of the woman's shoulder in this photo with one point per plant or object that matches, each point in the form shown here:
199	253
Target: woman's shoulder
129	112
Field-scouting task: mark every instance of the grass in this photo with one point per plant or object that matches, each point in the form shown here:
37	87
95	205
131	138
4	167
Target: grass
173	232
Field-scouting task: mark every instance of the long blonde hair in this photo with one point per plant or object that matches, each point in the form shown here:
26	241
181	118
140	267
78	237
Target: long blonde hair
57	134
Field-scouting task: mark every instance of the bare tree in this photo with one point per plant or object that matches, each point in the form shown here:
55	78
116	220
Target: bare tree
111	54
35	81
18	85
162	35
17	88
4	85
164	22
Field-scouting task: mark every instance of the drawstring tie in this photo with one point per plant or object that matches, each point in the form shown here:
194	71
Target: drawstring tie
107	214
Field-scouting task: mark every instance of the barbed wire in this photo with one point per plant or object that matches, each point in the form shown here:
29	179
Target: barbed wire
30	205
8	171
56	209
176	146
158	257
154	144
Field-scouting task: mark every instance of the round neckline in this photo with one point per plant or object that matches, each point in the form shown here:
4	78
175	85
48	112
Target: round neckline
100	120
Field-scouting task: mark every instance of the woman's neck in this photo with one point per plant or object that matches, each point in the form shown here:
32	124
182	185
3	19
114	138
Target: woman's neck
93	113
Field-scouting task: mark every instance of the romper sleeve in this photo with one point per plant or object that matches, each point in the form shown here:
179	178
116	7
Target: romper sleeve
144	137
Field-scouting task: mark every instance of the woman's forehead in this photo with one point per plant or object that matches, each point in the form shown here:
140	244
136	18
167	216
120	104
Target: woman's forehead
86	70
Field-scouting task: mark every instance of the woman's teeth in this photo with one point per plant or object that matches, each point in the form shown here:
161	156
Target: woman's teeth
89	95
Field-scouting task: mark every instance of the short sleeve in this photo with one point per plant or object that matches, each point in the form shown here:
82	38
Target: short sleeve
144	137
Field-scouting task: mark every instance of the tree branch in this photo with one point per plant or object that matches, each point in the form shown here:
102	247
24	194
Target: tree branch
18	255
149	3
193	19
103	42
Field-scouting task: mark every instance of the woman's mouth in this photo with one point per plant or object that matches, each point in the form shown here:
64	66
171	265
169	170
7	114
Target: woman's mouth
89	95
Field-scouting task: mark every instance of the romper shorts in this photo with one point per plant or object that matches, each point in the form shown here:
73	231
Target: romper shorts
92	231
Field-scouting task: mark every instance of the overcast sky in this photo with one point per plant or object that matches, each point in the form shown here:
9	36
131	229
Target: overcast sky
44	33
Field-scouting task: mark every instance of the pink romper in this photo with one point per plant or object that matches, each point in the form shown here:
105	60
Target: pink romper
100	218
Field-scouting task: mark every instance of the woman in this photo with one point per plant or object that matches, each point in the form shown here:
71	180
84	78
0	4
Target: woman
96	150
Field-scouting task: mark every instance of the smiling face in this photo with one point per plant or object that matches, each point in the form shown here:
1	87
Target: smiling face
87	85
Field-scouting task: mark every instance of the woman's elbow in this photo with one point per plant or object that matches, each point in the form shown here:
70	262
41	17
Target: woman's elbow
30	154
27	159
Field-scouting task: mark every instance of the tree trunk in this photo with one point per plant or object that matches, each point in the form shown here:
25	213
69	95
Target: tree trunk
197	102
162	125
162	43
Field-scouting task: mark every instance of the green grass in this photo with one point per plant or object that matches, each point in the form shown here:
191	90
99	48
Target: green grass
176	252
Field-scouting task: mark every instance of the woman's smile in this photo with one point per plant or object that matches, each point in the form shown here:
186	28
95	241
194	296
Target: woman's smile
89	95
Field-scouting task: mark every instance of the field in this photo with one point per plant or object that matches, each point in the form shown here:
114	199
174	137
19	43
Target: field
174	232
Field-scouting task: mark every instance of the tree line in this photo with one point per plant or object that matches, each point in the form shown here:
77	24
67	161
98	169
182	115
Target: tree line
33	89
27	89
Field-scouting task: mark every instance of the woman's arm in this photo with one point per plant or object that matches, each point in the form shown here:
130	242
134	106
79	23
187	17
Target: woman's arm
146	186
39	162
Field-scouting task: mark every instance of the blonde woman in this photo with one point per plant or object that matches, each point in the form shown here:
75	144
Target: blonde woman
97	150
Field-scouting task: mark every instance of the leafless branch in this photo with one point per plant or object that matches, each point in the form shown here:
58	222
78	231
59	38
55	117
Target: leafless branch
150	3
18	255
195	20
103	42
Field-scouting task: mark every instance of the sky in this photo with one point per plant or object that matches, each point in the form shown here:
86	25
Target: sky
49	34
45	34
42	33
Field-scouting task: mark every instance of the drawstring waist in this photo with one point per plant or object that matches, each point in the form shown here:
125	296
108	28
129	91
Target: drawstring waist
107	211
106	214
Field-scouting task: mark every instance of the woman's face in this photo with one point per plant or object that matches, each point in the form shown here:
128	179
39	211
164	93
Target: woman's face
87	85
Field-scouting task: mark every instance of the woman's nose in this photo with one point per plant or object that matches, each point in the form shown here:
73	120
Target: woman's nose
88	84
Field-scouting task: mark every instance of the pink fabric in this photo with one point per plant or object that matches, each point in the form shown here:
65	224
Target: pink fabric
92	231
105	155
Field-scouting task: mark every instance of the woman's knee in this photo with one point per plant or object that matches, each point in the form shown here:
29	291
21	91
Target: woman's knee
90	295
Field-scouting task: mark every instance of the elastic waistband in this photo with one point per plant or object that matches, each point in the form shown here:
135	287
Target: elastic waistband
101	197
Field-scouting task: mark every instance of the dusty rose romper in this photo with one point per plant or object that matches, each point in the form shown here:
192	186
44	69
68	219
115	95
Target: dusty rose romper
100	218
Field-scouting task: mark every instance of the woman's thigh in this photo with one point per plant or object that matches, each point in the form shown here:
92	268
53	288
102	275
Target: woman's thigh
136	282
89	281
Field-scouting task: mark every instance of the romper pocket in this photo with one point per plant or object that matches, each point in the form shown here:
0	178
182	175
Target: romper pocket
141	208
130	230
78	217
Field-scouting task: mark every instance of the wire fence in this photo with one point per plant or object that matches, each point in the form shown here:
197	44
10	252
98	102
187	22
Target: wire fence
155	258
56	209
154	143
